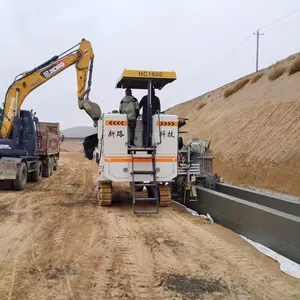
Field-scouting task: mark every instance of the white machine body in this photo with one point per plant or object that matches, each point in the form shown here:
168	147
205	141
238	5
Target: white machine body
115	159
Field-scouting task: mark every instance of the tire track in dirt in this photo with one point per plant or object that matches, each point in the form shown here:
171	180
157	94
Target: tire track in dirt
16	260
258	276
168	247
97	265
72	255
27	205
63	256
189	245
109	280
105	277
83	251
136	260
168	250
59	239
93	251
175	253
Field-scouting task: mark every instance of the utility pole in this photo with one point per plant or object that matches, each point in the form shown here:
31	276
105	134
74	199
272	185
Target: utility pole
257	46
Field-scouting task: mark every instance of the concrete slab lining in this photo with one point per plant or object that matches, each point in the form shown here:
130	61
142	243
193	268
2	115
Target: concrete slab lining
272	228
287	206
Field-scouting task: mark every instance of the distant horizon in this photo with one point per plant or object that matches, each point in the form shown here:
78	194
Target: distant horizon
83	126
78	131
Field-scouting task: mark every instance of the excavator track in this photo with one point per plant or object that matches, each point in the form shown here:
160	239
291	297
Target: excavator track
164	195
104	194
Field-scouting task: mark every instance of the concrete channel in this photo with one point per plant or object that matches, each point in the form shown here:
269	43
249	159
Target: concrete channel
273	228
288	206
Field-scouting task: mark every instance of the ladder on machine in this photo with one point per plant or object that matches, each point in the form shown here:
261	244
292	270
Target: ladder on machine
152	185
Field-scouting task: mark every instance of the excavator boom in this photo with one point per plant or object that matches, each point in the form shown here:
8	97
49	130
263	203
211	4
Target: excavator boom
83	59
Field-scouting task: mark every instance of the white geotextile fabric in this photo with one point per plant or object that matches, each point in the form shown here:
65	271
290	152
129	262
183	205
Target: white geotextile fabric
194	213
286	265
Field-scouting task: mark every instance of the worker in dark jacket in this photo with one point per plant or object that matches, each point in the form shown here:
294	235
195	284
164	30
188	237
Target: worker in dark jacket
130	106
155	108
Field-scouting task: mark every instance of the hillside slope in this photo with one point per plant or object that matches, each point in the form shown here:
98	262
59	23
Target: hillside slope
255	133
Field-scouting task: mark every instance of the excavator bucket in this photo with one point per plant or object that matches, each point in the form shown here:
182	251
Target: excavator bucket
92	109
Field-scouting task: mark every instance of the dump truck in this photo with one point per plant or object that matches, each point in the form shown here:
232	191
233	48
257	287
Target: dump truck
30	152
29	149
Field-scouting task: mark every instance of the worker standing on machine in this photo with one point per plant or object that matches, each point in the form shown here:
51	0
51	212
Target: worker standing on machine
155	108
130	106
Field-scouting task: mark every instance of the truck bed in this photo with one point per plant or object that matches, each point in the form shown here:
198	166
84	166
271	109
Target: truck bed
48	138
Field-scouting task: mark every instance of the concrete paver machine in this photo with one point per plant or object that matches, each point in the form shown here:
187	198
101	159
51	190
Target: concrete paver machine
151	166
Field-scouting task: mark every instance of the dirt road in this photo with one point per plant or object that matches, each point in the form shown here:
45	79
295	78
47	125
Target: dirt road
56	243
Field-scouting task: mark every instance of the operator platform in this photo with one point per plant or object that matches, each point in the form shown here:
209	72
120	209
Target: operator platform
146	80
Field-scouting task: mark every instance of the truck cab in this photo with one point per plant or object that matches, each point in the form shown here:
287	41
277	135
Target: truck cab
30	151
22	139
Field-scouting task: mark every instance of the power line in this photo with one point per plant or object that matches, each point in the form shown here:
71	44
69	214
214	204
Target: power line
235	48
275	21
245	45
291	20
257	41
267	25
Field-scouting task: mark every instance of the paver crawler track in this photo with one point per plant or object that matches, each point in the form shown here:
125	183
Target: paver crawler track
164	195
105	193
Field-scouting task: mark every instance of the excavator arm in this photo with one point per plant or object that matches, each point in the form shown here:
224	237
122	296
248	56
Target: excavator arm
83	59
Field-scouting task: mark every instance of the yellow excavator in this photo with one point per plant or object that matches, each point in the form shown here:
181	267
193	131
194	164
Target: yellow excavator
25	83
23	145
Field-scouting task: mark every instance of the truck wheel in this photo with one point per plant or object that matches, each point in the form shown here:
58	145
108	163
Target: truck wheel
46	171
36	175
51	165
21	180
55	165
